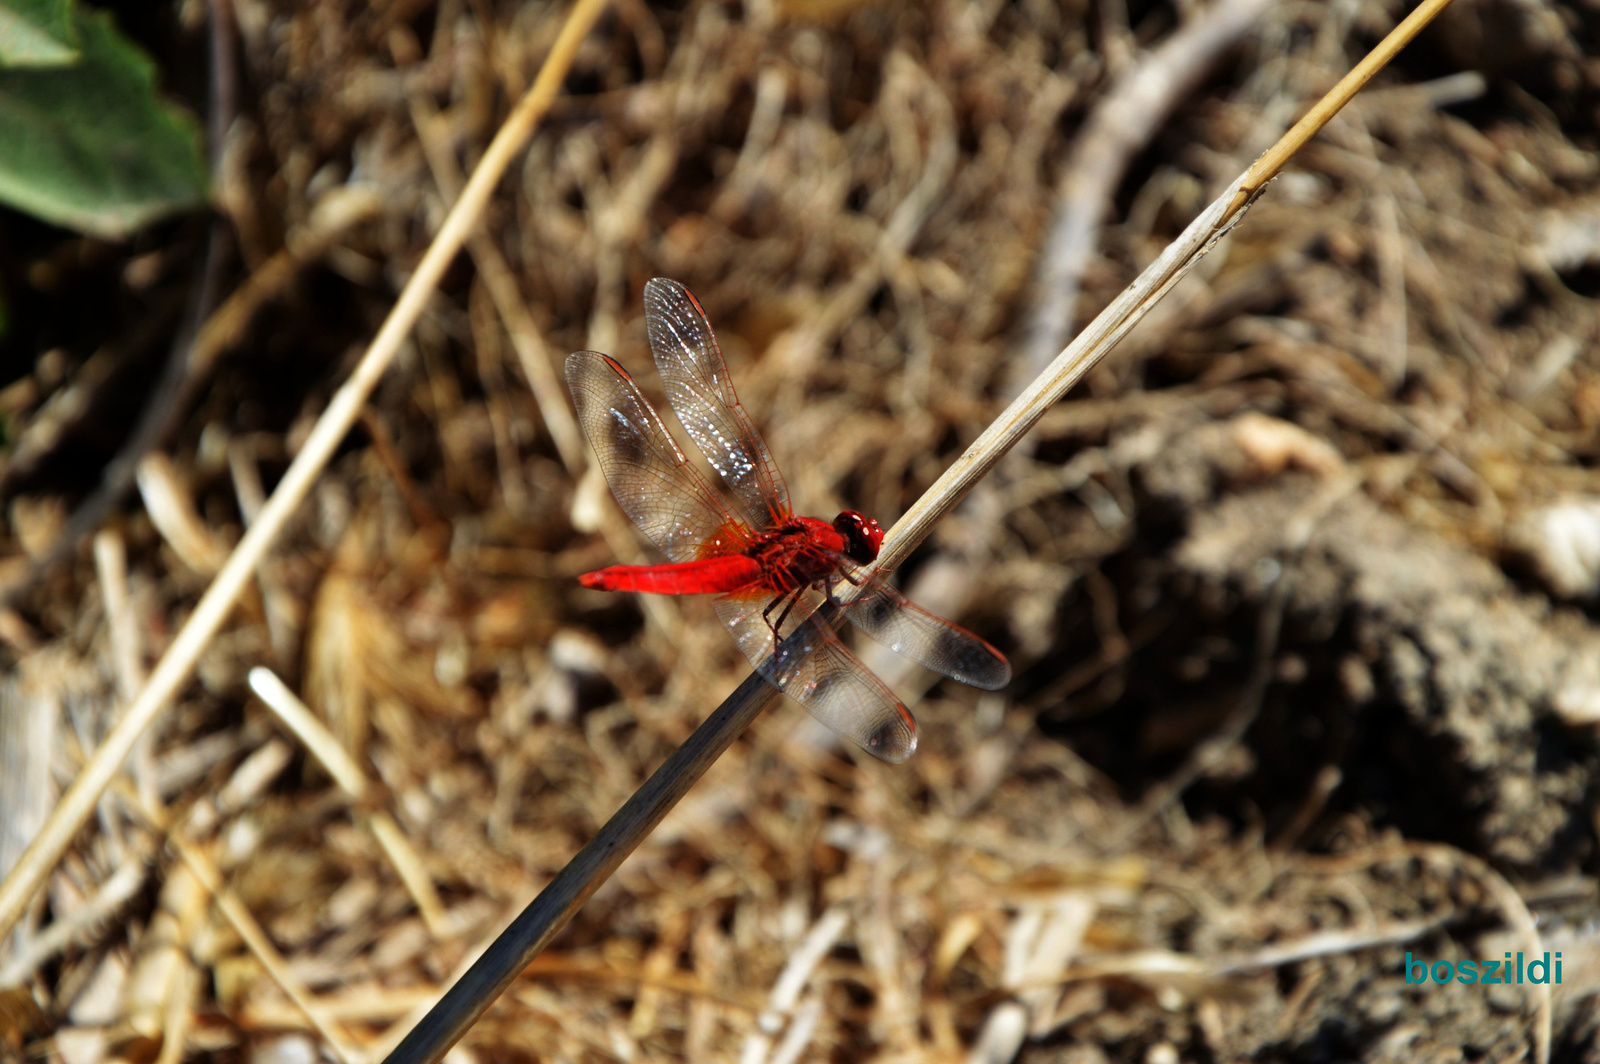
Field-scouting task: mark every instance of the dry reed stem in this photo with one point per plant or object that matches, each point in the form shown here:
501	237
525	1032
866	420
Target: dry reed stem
75	806
1119	127
1322	112
1087	348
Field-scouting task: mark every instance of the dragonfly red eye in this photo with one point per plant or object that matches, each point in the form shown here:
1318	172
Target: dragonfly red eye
862	536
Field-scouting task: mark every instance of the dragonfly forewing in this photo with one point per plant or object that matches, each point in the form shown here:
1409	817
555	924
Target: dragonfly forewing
698	386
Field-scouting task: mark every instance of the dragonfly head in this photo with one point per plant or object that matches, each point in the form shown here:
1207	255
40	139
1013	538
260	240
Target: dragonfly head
862	536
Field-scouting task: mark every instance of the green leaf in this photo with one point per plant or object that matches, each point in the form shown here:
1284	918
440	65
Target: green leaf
37	33
92	146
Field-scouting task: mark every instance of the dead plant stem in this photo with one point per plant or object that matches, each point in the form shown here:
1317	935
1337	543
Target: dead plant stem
1273	159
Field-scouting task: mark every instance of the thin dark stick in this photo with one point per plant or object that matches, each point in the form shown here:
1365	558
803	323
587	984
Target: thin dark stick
224	103
547	914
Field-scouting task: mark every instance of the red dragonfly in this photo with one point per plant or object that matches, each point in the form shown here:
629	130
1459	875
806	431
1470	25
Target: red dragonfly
769	569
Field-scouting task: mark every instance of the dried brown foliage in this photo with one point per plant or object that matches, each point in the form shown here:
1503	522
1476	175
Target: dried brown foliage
1296	583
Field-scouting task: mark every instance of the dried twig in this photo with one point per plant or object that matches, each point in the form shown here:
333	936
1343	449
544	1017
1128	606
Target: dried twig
785	994
1120	126
1086	349
1113	323
1327	943
1322	112
299	719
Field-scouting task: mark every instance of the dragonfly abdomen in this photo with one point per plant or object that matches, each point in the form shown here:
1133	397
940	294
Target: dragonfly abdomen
700	577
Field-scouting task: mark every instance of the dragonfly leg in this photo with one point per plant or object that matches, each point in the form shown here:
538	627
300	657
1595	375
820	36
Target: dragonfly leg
827	588
766	615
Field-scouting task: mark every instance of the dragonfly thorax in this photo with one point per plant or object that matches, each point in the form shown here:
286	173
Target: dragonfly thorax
799	553
805	551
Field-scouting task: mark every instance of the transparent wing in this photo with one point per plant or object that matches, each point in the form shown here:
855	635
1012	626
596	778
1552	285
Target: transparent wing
650	477
697	384
927	639
817	671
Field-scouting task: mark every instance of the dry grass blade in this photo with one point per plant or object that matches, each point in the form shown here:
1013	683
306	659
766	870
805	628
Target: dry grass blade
1120	126
209	877
175	667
